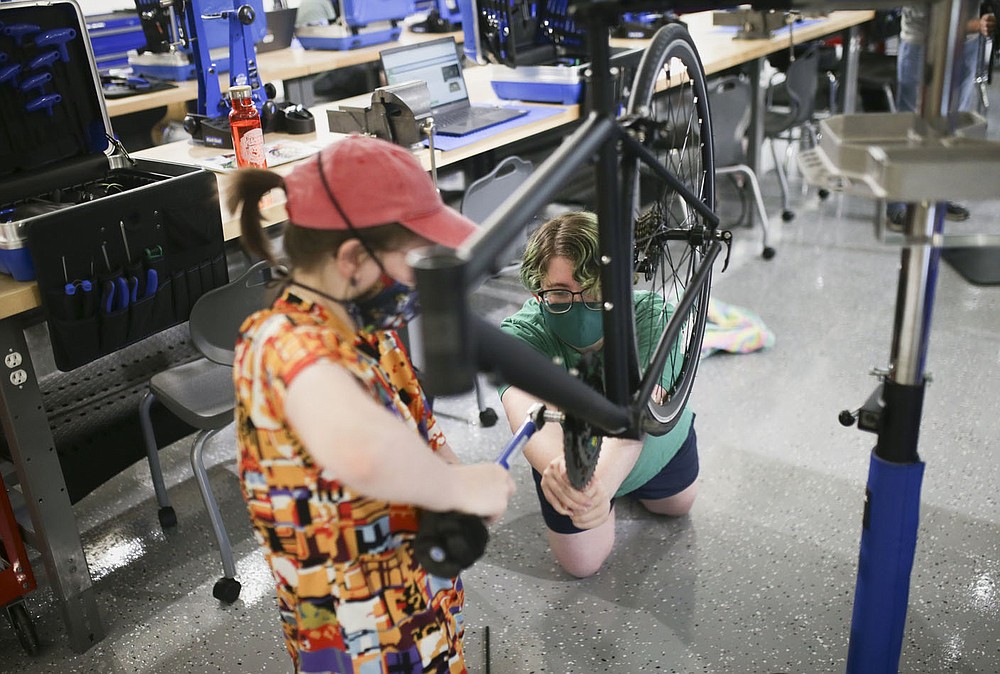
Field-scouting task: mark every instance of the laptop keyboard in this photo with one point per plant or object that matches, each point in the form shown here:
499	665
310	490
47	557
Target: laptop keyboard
452	118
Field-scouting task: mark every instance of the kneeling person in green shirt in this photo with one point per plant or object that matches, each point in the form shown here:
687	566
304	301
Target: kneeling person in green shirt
561	267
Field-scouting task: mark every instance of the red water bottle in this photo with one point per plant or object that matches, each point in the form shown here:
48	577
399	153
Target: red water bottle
248	137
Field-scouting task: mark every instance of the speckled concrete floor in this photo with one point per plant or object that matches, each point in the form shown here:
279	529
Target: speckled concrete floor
759	578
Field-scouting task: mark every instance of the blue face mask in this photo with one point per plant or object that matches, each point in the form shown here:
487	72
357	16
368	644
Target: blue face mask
389	306
392	306
580	327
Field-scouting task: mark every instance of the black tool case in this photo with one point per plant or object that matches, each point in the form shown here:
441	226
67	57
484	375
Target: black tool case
121	248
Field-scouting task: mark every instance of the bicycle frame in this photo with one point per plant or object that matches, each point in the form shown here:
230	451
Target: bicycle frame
450	367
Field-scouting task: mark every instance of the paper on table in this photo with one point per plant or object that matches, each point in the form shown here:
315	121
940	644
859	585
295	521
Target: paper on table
276	152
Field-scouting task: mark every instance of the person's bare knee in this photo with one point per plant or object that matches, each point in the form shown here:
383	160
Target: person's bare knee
673	506
582	554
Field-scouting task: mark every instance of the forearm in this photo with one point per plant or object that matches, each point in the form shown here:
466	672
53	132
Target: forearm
417	475
546	444
616	461
617	456
363	445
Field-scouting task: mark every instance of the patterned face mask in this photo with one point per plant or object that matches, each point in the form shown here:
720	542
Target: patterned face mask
392	306
389	306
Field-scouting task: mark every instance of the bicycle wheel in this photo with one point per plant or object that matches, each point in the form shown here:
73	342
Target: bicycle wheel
670	238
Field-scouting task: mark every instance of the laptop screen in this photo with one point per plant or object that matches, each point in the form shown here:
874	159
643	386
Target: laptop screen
434	62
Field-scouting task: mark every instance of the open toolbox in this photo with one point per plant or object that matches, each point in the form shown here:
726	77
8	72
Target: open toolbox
120	248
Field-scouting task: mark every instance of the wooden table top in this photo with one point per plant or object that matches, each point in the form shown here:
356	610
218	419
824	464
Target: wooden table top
279	65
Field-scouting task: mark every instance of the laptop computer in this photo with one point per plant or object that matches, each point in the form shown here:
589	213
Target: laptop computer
280	30
436	62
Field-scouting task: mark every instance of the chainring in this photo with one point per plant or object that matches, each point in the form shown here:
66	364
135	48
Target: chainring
581	446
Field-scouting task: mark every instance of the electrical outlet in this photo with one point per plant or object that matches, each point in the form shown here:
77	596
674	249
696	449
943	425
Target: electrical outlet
18	377
12	359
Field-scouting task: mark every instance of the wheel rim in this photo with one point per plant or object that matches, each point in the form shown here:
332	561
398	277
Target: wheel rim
668	242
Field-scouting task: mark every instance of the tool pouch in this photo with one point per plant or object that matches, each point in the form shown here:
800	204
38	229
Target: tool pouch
169	218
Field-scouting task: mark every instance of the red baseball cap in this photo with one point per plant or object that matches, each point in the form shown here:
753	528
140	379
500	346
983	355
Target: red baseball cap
375	183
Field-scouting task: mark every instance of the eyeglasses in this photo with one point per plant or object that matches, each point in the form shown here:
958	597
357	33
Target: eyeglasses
559	301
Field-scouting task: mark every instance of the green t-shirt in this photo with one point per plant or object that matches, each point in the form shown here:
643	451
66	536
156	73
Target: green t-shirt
650	318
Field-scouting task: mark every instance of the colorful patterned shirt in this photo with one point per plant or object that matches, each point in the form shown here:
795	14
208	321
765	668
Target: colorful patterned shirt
351	597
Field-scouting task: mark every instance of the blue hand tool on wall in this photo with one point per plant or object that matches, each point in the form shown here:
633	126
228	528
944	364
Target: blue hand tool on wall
153	261
19	31
79	296
58	37
44	60
115	289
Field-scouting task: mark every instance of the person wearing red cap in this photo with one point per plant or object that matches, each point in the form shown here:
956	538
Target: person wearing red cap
338	447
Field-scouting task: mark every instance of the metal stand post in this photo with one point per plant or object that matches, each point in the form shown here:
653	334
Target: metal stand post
892	498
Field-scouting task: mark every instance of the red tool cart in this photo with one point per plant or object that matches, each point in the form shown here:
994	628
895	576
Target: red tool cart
16	579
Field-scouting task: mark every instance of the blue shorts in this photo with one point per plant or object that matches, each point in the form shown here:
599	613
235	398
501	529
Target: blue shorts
679	474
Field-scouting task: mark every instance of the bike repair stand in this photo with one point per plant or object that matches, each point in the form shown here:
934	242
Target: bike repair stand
900	157
210	124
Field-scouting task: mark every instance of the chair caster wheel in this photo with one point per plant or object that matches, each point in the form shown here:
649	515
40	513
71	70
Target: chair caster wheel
767	253
168	518
487	417
227	590
787	216
823	193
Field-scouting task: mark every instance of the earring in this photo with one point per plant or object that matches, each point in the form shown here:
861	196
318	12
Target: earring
353	282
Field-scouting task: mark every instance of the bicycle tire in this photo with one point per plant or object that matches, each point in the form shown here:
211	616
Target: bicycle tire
679	132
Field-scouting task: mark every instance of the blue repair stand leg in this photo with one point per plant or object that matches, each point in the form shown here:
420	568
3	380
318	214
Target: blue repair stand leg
888	541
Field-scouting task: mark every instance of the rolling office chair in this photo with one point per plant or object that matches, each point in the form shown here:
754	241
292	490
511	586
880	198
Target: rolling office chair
800	84
481	198
829	65
729	101
201	394
876	68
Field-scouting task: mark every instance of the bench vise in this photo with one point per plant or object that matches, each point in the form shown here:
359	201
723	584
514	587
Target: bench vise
399	113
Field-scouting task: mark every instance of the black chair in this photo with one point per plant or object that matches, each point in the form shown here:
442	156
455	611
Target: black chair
201	393
481	198
876	69
486	194
829	65
877	81
729	100
781	123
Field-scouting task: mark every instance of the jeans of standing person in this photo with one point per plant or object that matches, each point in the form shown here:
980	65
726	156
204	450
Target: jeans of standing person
909	69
